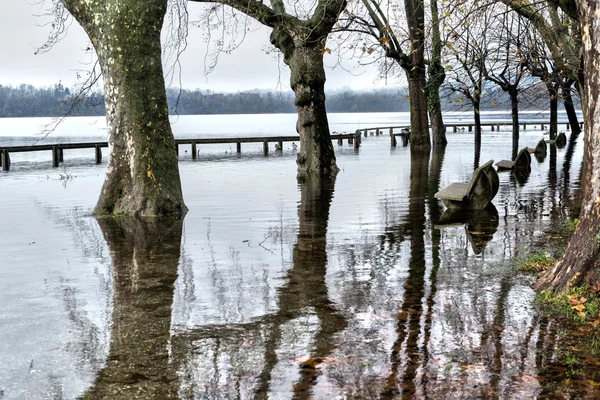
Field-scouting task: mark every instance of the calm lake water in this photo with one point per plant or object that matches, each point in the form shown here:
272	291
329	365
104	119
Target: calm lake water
360	288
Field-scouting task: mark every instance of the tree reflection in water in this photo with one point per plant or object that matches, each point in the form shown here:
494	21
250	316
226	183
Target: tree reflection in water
145	256
256	352
420	308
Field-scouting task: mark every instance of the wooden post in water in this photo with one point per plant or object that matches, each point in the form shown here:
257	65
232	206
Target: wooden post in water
568	126
498	127
60	155
350	141
357	143
393	140
405	139
54	156
266	147
492	127
5	161
341	141
470	128
455	129
365	132
280	145
98	154
542	127
238	147
377	132
177	149
194	152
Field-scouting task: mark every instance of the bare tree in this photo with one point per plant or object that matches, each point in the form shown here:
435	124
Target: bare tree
406	48
505	65
468	50
302	40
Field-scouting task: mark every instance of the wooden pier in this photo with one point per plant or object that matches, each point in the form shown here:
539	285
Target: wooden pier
495	126
58	149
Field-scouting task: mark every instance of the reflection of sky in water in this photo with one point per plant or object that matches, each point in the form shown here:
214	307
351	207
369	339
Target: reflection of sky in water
475	323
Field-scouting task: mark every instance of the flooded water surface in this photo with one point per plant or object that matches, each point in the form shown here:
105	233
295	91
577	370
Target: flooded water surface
360	287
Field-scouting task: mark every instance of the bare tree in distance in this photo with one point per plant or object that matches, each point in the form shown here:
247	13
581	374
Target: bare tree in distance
506	61
559	29
406	48
301	37
465	60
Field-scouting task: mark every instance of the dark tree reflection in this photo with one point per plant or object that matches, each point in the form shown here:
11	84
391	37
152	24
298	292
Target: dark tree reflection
306	288
408	326
145	255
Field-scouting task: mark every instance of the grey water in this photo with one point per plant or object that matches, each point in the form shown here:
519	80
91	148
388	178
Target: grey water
268	288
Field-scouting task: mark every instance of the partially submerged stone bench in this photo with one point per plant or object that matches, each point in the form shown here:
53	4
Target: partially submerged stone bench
560	141
476	194
523	161
540	148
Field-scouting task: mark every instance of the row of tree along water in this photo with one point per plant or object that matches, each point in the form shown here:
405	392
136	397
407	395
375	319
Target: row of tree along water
471	43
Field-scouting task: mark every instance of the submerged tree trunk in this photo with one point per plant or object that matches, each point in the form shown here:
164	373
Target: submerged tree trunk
477	118
570	109
419	124
305	59
316	155
142	175
581	261
514	102
436	78
553	112
417	84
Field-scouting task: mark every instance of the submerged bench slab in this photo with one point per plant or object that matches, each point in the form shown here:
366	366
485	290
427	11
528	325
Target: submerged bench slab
505	164
475	194
456	191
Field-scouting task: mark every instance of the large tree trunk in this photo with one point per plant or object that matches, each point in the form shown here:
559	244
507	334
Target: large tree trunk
419	124
436	78
581	261
316	155
514	102
142	175
570	109
438	130
145	255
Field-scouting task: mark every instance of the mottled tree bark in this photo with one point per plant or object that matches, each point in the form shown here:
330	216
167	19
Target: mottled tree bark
581	261
302	42
142	175
145	256
304	56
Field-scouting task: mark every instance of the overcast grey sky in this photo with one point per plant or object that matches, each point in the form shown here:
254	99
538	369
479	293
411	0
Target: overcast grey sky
248	67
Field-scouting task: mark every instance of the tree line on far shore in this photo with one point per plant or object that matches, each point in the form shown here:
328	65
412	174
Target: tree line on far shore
29	101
